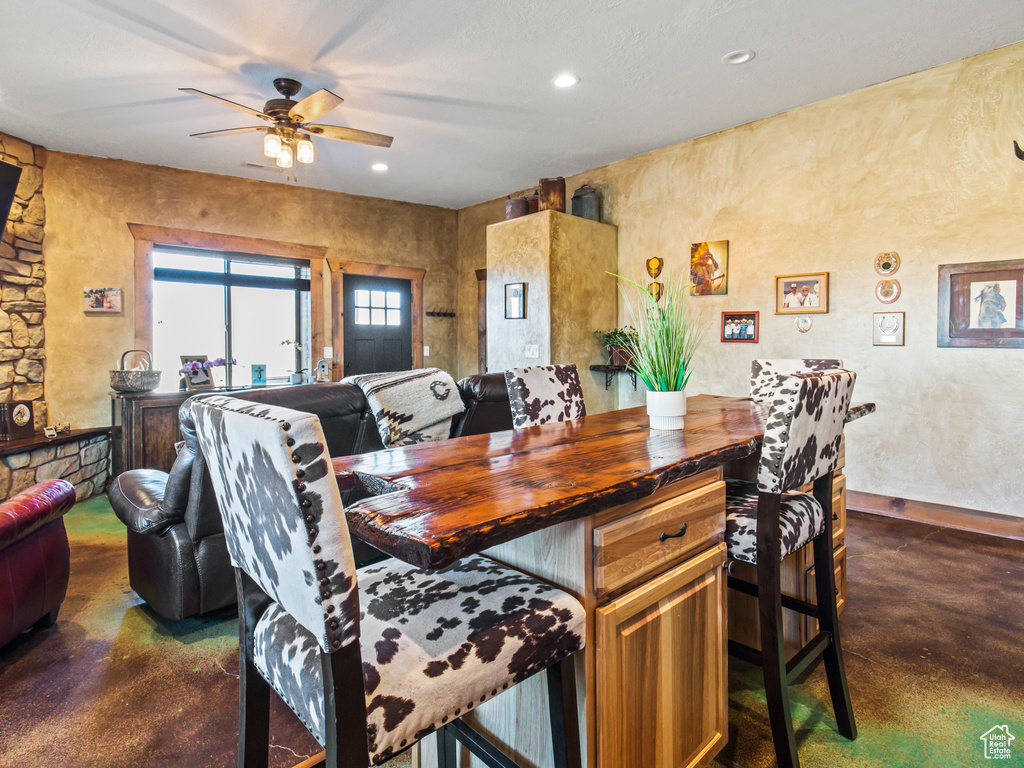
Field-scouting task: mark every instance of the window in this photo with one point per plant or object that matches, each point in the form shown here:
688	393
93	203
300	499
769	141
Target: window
378	307
223	304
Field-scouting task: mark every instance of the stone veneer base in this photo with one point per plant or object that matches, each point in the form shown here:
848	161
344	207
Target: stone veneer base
85	463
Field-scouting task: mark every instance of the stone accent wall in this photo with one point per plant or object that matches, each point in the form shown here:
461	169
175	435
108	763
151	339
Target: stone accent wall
22	281
84	463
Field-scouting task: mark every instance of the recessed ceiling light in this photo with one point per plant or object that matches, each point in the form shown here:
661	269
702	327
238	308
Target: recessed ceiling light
738	57
379	166
566	81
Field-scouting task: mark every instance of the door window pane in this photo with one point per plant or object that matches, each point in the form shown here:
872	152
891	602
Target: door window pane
362	298
394	300
394	317
377	316
376	298
362	316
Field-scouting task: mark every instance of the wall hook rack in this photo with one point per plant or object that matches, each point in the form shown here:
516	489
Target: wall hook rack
1018	151
440	313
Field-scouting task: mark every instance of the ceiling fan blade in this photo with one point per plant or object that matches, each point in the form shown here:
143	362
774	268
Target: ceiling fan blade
350	134
315	106
225	102
227	132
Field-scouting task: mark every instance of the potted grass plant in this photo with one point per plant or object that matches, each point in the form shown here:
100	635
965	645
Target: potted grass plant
667	336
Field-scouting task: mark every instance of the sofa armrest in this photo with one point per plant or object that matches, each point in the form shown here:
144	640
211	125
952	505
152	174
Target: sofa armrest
138	501
30	510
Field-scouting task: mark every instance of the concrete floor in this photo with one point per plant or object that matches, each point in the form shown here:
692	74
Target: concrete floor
933	633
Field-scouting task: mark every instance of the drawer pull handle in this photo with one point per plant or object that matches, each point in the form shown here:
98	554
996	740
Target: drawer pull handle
682	532
835	515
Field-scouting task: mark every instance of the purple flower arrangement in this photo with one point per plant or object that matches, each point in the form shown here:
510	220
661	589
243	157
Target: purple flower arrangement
205	365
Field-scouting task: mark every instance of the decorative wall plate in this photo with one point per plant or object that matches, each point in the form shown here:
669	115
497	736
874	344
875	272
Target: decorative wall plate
887	263
654	265
888	329
803	324
887	291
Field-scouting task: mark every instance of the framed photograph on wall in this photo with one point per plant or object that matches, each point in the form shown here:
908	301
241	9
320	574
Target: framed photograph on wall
196	376
515	301
101	301
740	327
805	294
981	304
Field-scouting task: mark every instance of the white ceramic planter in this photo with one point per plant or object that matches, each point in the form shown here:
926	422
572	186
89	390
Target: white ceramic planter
666	409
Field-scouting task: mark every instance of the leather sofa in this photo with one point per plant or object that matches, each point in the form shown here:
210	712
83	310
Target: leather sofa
177	558
35	561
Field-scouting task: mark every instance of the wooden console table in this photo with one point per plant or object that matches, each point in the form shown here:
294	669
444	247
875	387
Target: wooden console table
629	520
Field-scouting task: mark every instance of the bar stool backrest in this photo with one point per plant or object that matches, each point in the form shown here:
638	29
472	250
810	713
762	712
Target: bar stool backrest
543	394
284	522
804	429
764	374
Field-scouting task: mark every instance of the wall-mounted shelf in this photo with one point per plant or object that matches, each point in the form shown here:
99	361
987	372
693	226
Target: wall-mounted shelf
611	370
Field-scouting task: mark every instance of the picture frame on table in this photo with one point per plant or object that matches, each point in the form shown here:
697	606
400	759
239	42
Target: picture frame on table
740	327
515	301
803	294
981	304
197	379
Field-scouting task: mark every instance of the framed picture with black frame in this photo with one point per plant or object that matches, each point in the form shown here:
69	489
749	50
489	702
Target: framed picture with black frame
740	327
515	301
981	304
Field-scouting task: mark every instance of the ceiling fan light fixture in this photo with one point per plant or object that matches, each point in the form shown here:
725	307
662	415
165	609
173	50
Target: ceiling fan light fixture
272	144
304	150
286	158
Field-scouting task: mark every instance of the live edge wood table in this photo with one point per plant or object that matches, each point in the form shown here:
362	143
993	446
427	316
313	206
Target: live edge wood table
629	520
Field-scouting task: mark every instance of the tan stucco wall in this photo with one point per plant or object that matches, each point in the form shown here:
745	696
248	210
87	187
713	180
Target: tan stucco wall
924	166
91	200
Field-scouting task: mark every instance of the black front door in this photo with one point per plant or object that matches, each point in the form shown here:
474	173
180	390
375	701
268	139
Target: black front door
378	324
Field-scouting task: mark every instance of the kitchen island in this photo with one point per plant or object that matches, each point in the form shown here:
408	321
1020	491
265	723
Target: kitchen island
629	520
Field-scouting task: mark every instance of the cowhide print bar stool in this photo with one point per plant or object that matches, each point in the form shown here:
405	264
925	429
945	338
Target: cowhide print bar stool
764	374
374	659
769	519
542	394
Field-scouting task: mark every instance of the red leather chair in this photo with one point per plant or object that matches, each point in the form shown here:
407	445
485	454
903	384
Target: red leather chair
34	557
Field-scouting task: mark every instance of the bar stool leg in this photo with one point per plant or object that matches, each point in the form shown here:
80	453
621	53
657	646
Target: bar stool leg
565	726
828	621
773	642
446	748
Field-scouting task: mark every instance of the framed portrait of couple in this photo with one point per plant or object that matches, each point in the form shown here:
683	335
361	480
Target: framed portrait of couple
805	294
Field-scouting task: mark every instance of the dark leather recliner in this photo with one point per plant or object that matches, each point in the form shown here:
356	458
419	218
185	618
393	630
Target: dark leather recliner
177	558
35	561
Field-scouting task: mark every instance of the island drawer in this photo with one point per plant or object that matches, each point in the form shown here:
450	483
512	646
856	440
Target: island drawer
645	543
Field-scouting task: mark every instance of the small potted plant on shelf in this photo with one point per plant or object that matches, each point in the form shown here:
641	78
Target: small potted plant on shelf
667	335
618	341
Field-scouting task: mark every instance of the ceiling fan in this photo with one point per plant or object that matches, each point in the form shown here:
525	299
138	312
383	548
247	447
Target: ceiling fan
288	139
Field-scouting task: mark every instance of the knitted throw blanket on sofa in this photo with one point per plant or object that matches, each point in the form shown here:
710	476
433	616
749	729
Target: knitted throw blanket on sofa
411	406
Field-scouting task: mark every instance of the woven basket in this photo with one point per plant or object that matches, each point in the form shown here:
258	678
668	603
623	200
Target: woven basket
135	381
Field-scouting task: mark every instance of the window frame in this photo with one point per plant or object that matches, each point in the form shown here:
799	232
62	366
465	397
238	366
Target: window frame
147	237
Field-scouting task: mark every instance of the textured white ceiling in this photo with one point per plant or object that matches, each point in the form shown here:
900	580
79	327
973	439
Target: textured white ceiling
464	86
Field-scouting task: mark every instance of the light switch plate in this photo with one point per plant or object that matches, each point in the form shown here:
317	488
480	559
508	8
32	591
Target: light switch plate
426	351
328	353
888	329
532	351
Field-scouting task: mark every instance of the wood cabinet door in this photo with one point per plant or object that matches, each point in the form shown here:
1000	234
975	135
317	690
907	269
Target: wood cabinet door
662	686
